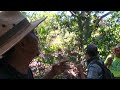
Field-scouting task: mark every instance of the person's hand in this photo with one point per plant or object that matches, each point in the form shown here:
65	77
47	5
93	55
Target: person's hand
59	68
81	71
56	70
80	68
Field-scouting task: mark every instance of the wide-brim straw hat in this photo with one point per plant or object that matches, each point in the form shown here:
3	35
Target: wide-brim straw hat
13	27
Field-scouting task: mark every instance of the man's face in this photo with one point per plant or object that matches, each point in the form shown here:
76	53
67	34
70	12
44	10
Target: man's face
32	44
117	52
87	57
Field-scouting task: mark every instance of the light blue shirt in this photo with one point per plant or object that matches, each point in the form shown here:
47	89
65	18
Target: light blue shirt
94	71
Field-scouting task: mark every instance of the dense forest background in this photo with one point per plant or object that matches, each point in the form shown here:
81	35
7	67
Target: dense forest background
65	35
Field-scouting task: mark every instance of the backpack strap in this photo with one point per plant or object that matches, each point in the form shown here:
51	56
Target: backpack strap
102	67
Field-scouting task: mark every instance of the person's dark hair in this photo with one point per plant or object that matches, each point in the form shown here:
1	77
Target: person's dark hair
91	50
8	54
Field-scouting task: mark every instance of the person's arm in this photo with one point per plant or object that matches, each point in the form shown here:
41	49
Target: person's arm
108	61
56	70
93	72
81	71
49	75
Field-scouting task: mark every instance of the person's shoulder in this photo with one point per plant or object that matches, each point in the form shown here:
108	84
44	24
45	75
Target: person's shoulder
94	65
3	71
94	68
110	56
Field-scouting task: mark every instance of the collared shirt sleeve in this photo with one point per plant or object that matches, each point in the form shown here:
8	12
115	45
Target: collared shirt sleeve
94	72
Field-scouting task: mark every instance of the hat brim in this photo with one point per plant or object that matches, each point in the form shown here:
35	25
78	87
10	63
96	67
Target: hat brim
19	36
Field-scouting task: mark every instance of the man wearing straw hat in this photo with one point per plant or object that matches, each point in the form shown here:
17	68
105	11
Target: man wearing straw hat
18	46
113	61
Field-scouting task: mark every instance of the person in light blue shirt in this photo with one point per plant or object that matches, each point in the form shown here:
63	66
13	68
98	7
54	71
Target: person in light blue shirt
92	55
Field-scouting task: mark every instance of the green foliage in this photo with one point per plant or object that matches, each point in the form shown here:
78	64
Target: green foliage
67	33
74	31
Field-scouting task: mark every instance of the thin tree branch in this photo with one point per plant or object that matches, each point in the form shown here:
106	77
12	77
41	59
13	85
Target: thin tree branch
97	22
73	14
